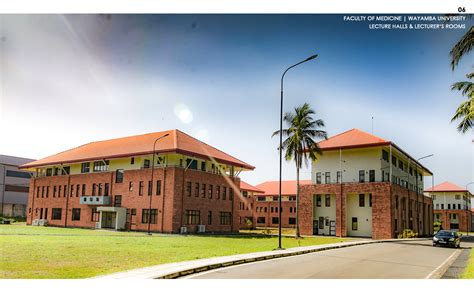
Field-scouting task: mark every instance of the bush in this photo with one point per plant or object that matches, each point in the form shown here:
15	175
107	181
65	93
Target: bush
437	226
408	233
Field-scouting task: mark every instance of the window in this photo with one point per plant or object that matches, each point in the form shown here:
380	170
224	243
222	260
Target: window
385	155
106	189
130	186
274	220
292	221
85	167
37	191
260	219
354	223
371	175
119	176
218	192
65	190
56	213
71	192
101	166
433	197
95	214
76	214
291	198
209	218
459	206
442	206
47	191
54	191
458	197
318	178
396	202
149	216
203	166
449	206
396	224
339	177
118	201
327	178
394	161
328	200
224	193
146	163
370	200
318	200
191	164
49	172
260	198
203	190
231	193
189	188
132	161
42	192
93	189
158	188
59	191
361	176
66	170
225	218
46	213
361	200
400	165
140	188
17	174
100	189
275	198
78	190
210	191
192	217
196	190
149	188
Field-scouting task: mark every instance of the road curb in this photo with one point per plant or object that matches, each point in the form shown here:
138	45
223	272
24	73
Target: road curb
441	269
176	270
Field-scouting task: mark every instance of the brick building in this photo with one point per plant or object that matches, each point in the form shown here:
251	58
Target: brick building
246	205
365	186
266	203
109	184
452	206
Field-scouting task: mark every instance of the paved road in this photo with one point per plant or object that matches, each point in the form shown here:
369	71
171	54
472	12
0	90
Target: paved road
415	259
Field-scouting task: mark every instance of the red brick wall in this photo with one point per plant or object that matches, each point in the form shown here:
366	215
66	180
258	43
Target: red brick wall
383	207
170	203
285	214
464	218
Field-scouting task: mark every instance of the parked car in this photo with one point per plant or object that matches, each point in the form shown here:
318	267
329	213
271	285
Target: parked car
447	238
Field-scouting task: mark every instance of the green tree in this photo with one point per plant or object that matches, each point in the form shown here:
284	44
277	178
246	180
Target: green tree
300	144
465	112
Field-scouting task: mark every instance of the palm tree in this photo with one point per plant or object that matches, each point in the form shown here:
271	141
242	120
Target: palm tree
465	111
299	144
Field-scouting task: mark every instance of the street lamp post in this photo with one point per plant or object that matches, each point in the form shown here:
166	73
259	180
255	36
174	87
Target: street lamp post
280	148
469	208
151	183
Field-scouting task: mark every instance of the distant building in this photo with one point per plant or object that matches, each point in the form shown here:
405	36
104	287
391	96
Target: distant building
109	184
452	206
13	186
365	186
247	204
266	213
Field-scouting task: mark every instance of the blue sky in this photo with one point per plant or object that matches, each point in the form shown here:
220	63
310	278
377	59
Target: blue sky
69	80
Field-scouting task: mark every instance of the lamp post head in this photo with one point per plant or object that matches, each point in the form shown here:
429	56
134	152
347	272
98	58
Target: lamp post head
311	57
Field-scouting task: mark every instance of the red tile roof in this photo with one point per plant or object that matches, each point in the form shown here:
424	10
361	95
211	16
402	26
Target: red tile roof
446	187
356	138
177	141
247	187
287	187
352	139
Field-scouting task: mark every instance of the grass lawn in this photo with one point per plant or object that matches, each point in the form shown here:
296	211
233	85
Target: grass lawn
48	252
469	272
